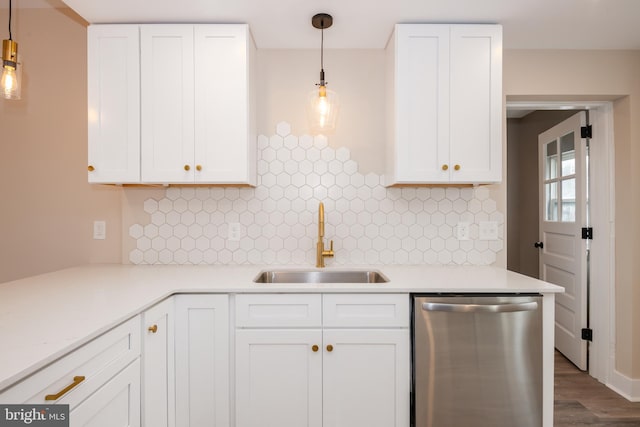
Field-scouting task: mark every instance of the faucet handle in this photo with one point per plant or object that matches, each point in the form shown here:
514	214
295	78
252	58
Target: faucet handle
329	253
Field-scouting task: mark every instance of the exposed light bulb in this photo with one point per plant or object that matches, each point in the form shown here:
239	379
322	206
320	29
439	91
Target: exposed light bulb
9	83
322	107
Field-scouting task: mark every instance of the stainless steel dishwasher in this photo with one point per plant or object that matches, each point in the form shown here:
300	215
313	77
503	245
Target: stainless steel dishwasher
477	361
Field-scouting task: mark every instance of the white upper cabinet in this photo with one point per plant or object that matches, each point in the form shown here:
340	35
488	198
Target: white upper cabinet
197	104
167	103
225	131
445	101
171	104
114	103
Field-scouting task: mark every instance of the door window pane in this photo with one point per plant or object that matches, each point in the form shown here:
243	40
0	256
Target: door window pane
551	201
551	160
568	152
569	200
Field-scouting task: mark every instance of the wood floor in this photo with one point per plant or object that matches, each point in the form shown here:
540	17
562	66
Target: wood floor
580	400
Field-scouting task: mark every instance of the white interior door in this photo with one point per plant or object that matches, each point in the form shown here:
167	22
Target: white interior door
563	213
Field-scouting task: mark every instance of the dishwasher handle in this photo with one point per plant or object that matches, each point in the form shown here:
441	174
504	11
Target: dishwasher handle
480	308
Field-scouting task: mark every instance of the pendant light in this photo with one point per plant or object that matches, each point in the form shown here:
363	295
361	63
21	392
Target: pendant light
10	80
322	103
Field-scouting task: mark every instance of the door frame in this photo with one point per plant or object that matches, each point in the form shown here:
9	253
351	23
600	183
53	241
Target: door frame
602	262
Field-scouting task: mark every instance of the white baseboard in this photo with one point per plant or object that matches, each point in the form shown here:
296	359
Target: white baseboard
626	387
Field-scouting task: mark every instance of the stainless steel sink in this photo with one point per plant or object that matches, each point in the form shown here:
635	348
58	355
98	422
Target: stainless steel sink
320	276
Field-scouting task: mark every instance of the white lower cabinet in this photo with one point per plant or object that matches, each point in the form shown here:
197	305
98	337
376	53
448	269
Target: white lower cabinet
202	360
366	378
100	381
322	376
158	365
115	404
301	360
278	378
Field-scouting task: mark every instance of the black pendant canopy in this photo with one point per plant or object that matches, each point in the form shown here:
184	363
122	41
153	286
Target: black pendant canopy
322	20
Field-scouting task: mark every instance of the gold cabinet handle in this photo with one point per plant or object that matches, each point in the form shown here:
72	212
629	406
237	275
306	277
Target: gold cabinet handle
91	168
329	348
445	167
153	329
315	348
187	167
76	380
198	168
457	167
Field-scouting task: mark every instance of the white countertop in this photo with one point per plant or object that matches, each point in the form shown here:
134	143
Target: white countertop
46	316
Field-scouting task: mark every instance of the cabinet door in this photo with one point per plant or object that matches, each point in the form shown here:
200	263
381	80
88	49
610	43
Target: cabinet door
278	378
158	366
224	137
115	404
422	103
167	103
476	103
113	73
202	360
366	378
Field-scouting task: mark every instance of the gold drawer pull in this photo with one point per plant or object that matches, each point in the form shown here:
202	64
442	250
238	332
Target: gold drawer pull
76	380
198	168
91	168
153	329
329	348
445	167
457	167
187	167
314	348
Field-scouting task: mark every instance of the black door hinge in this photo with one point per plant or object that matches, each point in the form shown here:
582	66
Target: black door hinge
587	334
587	233
586	132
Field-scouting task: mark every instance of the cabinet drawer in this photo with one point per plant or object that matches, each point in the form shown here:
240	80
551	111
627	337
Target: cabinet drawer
366	310
97	361
279	310
116	403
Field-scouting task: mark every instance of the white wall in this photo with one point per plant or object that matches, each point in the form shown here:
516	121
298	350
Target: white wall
47	207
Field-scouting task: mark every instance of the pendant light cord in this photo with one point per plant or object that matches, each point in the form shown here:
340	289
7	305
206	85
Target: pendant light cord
321	46
10	38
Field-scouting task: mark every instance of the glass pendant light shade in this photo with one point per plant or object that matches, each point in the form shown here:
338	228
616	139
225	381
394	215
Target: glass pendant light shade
322	110
10	82
322	103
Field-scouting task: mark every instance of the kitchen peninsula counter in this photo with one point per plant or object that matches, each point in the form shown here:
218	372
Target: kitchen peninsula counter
45	317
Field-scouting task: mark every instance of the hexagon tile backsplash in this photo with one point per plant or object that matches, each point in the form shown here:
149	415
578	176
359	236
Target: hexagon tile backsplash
278	220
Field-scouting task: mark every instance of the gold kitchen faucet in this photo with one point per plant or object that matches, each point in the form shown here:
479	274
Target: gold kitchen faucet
321	253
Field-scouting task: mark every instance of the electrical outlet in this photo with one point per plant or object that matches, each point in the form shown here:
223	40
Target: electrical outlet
462	231
234	231
488	230
99	230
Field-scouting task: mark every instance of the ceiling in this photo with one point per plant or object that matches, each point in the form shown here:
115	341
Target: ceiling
527	24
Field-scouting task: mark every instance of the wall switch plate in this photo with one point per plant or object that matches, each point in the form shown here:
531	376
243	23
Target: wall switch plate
462	231
99	230
488	230
234	231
